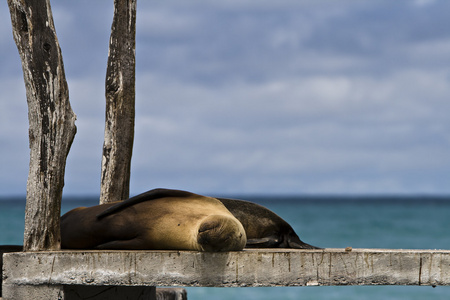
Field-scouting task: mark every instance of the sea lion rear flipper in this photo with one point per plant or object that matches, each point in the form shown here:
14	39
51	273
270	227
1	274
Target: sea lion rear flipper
294	242
147	196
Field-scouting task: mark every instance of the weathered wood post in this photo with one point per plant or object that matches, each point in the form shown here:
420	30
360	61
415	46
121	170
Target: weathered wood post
120	102
119	122
119	115
51	131
51	120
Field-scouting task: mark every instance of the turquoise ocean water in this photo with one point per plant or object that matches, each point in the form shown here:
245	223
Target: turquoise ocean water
329	222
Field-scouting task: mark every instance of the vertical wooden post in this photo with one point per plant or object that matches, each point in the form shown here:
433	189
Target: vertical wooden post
120	99
51	120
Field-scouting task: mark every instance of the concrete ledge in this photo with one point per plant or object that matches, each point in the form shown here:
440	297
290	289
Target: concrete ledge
258	267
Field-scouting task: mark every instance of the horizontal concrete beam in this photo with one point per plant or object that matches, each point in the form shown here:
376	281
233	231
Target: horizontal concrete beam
257	267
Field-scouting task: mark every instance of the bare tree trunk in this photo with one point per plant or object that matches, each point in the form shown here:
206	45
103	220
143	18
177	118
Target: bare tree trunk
120	99
51	120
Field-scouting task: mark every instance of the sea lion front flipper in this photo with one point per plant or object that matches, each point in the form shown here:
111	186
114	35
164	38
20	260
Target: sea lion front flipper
265	242
133	244
147	196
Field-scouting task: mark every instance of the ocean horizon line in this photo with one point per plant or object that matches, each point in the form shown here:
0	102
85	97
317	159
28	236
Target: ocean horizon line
310	198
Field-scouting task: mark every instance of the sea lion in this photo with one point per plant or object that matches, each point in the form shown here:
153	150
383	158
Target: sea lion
263	227
159	219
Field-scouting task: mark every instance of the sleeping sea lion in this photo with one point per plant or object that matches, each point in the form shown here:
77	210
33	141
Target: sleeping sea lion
158	219
264	228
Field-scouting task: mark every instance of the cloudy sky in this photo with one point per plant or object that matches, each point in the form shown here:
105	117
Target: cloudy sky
245	97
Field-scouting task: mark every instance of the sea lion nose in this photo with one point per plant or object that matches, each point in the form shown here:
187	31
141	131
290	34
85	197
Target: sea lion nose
220	233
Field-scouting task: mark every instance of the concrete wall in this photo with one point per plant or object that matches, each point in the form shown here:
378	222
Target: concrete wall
258	267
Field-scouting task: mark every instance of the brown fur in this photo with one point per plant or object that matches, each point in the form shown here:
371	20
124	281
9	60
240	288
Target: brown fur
156	220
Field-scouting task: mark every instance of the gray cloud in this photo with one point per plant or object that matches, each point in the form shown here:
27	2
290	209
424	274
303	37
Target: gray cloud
285	97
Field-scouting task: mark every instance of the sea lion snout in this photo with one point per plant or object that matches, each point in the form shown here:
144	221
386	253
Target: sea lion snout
221	233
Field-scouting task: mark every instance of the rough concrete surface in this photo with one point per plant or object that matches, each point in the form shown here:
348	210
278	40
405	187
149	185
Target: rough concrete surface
256	267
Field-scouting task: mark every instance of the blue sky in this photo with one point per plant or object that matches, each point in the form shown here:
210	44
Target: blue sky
278	97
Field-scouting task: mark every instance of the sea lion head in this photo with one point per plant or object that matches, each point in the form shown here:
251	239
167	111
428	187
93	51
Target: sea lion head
221	233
